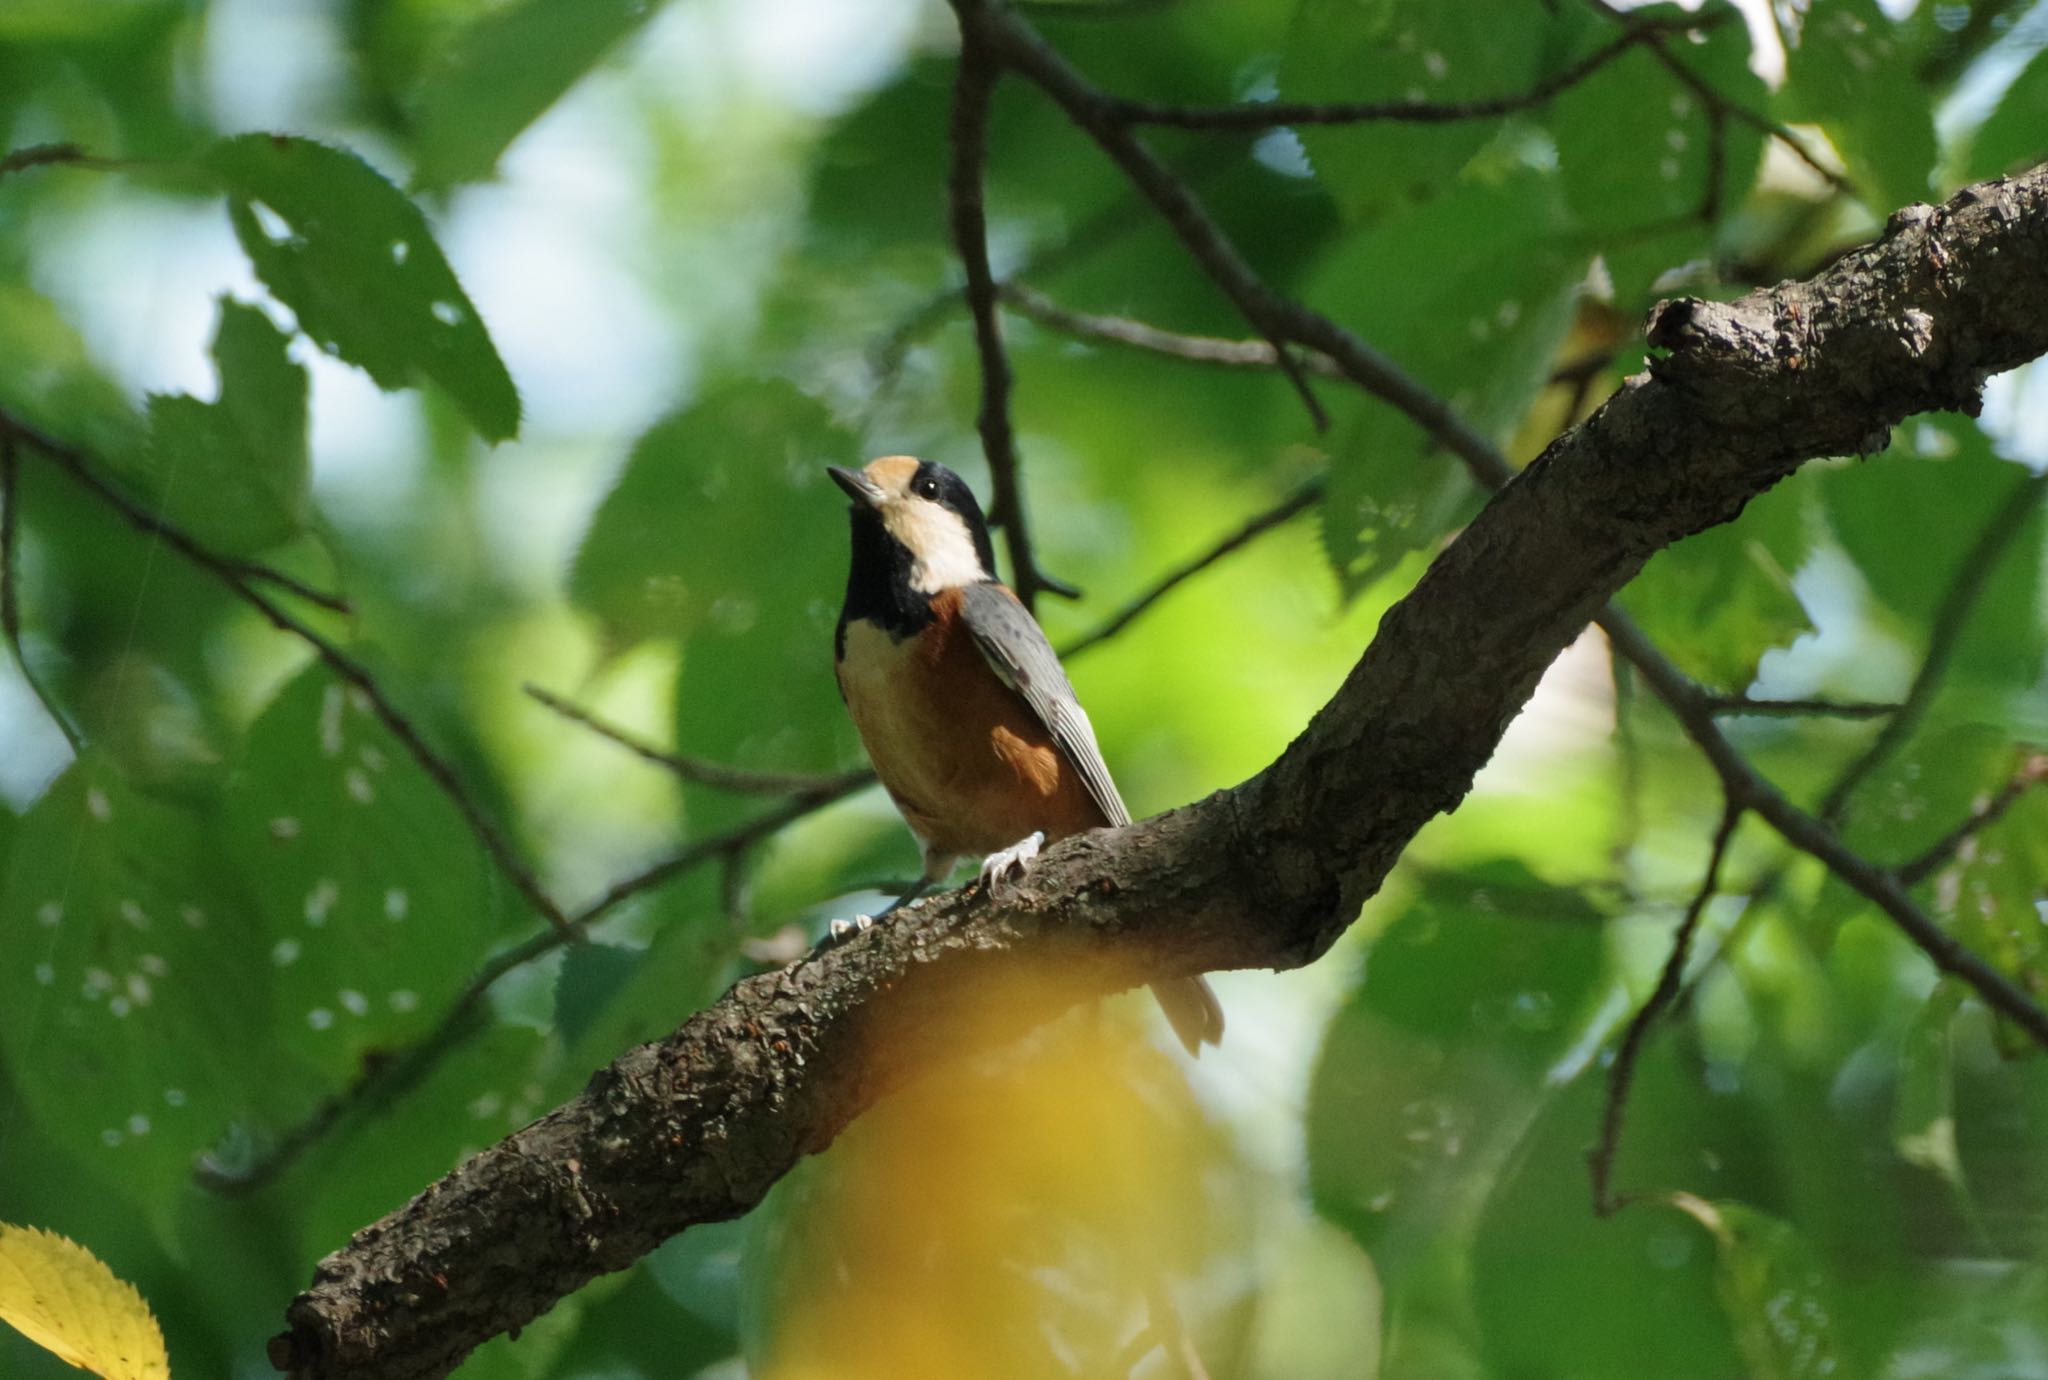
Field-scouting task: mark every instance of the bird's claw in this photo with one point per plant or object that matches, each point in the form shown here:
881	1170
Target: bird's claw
1012	861
843	930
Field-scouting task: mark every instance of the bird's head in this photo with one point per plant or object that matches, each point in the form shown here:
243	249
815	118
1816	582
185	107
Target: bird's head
928	513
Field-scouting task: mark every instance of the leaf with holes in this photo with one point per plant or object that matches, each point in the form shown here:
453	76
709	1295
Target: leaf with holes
1482	335
133	1015
1406	50
1772	1288
234	472
1430	1076
375	900
357	263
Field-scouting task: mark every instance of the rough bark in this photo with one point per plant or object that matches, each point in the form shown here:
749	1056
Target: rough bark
696	1127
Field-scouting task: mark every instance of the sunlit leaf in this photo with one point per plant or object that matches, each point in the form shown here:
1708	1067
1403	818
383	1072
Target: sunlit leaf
2016	132
234	472
1772	1288
1723	597
1850	70
1482	335
63	1298
1924	1124
502	71
357	264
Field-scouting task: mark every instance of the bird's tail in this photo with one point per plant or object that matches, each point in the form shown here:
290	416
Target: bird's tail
1192	1010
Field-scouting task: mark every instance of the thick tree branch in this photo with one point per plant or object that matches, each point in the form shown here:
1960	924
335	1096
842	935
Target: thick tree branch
696	1127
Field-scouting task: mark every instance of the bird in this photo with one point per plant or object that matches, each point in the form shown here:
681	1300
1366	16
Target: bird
961	702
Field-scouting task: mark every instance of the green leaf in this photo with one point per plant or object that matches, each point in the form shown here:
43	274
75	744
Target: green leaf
133	1016
1406	50
1995	897
1721	598
375	898
1471	296
1636	147
51	379
1924	1117
357	263
725	532
234	472
1772	1288
1852	73
1429	1078
2015	135
502	72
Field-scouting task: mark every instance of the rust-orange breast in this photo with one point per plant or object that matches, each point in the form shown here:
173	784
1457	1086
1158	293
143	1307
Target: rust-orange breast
966	761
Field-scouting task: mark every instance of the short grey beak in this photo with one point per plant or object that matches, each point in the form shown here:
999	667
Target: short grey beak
857	485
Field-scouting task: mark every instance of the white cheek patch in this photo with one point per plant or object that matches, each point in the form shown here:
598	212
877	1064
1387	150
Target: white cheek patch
938	541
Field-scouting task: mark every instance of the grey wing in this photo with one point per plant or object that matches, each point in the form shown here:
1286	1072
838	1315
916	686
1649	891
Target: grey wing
1015	648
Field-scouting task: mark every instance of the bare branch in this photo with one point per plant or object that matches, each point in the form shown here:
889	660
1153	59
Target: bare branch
80	468
696	770
1140	335
1255	116
1621	1073
1837	709
269	574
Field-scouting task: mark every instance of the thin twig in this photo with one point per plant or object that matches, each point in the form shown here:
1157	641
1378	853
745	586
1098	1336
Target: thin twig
1621	1073
269	574
2032	772
1950	619
1303	498
1835	709
10	606
1261	115
1142	335
1715	99
973	89
79	467
43	156
716	775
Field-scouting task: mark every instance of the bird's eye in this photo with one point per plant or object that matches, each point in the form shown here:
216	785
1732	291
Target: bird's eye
926	487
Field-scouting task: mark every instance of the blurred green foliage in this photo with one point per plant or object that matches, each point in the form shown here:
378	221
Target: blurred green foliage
707	243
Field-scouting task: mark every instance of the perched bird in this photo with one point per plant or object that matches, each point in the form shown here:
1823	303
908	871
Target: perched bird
971	723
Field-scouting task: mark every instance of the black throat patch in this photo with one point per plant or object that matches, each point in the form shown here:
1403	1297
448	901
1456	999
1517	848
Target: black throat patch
878	584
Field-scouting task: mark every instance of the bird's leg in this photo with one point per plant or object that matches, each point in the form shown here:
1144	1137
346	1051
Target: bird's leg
1011	861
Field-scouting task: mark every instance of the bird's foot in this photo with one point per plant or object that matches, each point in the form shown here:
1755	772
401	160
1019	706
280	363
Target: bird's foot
843	930
1011	861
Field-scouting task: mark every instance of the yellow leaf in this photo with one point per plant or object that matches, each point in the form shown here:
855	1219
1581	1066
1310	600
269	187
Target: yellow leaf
59	1295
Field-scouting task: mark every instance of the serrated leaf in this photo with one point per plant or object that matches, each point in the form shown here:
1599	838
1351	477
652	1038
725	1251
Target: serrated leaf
357	263
1851	72
1406	50
1722	598
2015	134
132	1012
234	472
1772	1288
502	72
63	1298
375	899
1635	148
1481	335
